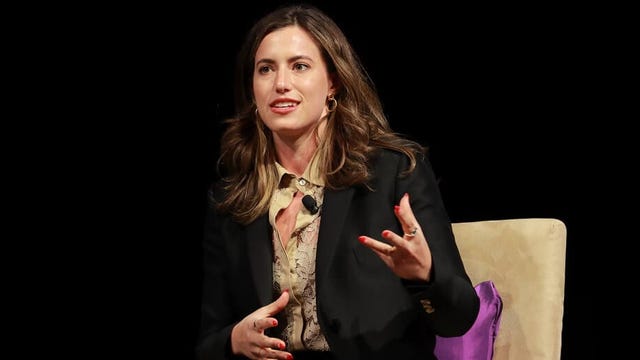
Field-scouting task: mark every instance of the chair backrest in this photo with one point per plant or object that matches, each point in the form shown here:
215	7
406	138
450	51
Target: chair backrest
525	258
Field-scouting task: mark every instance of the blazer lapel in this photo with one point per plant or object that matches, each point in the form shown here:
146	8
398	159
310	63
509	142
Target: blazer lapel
337	204
260	250
260	246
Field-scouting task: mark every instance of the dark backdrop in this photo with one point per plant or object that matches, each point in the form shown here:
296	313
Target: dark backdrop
492	91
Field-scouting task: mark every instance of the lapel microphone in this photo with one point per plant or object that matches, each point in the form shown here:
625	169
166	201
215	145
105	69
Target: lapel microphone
310	203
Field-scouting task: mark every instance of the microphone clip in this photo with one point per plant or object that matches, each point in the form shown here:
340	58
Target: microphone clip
311	204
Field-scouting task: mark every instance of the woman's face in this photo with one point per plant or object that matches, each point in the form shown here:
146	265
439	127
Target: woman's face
290	83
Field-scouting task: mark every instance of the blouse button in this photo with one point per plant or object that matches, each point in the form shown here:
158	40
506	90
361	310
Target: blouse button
302	182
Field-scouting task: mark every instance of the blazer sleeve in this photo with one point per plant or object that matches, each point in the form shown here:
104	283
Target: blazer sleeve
216	309
449	300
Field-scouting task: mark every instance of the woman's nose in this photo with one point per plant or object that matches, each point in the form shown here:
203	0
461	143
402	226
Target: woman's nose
283	82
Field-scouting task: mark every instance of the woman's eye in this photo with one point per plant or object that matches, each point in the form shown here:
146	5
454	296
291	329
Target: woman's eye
300	66
263	69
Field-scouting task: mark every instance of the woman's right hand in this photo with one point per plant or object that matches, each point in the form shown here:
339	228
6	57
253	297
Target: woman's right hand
248	338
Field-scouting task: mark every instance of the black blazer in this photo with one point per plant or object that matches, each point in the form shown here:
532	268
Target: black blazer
365	311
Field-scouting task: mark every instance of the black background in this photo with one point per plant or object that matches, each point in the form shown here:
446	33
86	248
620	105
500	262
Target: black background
495	92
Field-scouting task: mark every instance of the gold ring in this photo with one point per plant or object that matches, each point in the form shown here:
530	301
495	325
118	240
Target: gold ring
412	233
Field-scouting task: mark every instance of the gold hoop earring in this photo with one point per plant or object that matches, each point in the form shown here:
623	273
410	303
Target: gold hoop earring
332	103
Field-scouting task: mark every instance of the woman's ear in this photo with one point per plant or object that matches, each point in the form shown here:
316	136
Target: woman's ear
334	84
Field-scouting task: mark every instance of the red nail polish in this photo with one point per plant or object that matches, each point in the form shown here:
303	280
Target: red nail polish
274	323
396	208
385	233
362	239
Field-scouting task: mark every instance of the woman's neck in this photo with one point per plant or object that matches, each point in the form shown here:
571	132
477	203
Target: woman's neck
295	153
296	158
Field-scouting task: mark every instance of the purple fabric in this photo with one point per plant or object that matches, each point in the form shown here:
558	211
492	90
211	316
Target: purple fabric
477	343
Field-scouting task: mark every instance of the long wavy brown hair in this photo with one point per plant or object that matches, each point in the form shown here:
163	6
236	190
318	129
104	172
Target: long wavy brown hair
356	128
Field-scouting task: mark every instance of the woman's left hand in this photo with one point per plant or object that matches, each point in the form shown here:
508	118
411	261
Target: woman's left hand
407	255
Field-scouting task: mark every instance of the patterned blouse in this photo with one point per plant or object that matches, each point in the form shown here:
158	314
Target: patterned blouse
294	265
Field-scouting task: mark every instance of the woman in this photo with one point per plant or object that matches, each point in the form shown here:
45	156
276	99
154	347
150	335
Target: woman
327	236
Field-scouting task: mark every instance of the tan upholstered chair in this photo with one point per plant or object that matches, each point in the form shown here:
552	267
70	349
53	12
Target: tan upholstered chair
525	258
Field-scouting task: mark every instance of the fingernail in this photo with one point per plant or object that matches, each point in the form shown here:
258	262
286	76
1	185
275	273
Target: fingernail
290	357
362	239
274	323
406	195
385	233
281	346
396	208
285	290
